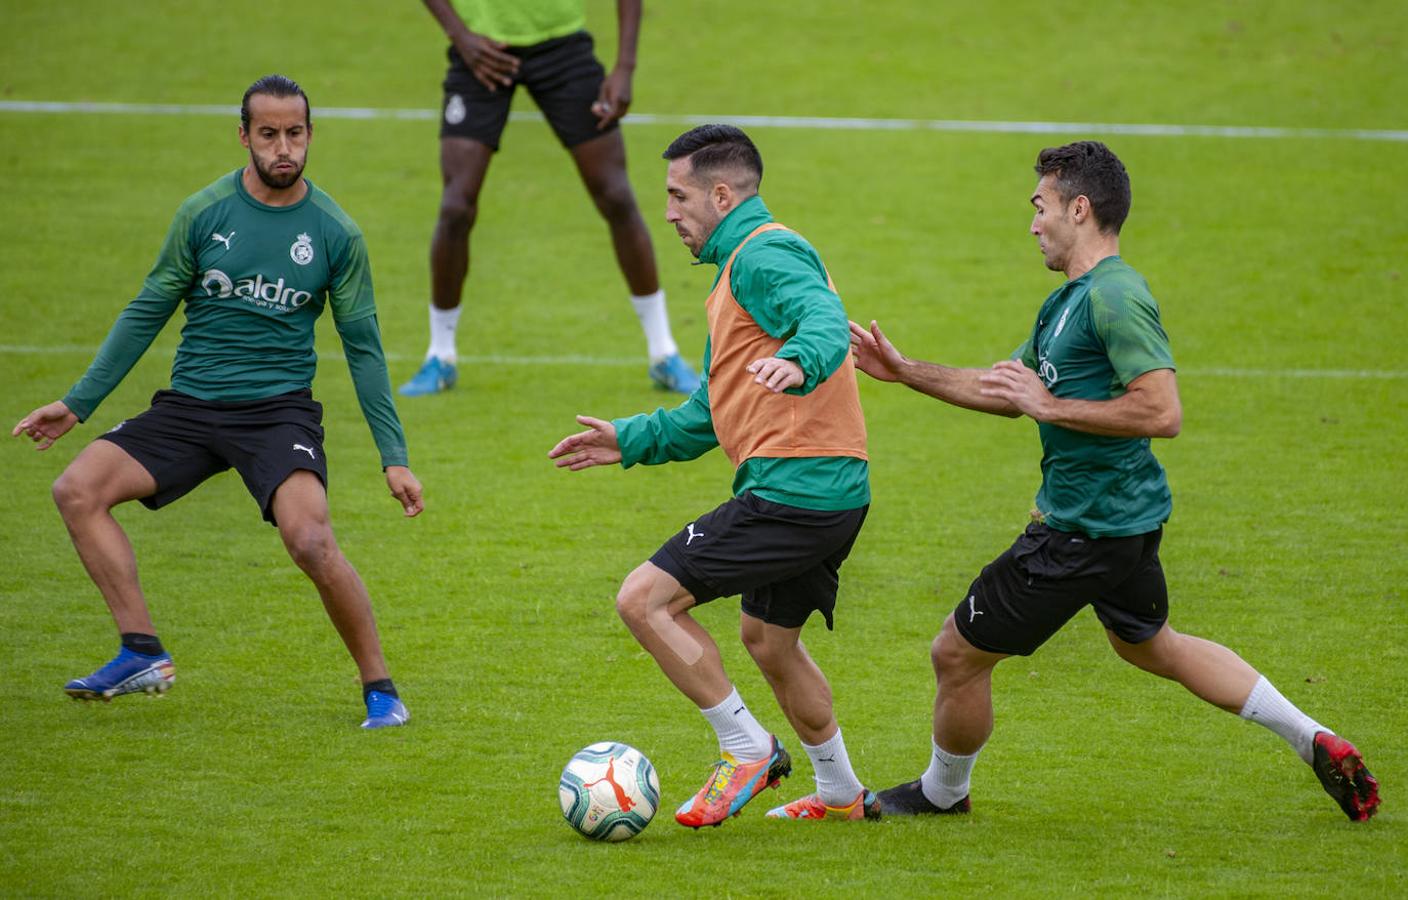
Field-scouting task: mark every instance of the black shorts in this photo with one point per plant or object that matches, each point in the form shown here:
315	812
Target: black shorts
784	560
182	441
1025	595
562	75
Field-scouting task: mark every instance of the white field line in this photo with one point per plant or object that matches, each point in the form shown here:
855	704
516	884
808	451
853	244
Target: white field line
619	361
813	122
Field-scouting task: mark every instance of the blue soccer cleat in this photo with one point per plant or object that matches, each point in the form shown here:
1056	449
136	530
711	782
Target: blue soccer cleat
127	673
385	711
674	374
435	375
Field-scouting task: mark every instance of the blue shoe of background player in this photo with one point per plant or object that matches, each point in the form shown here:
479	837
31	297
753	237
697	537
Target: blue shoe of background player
674	374
127	673
385	711
435	375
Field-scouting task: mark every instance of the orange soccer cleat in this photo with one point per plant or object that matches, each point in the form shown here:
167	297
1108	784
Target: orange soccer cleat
732	785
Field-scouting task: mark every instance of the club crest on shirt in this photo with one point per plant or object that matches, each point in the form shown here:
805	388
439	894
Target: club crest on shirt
302	250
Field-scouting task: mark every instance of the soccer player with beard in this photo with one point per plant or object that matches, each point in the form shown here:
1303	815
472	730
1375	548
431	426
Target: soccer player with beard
255	256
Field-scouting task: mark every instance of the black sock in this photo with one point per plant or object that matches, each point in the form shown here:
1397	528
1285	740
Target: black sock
145	644
384	686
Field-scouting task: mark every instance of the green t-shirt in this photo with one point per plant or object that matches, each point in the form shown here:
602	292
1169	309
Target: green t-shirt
254	279
1093	336
522	23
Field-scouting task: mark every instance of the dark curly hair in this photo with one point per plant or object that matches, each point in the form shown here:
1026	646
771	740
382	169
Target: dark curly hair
1092	169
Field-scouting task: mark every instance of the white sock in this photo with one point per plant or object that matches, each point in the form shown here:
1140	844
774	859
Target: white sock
655	322
836	782
1265	706
442	332
945	782
739	733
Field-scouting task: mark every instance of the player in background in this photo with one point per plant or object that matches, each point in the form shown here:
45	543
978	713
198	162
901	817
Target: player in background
779	395
1097	375
255	256
494	46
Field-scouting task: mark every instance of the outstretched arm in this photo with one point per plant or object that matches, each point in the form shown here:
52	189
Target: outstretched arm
878	358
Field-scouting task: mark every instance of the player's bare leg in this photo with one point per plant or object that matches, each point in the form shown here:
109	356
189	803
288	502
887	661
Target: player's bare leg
99	478
805	697
601	162
963	703
463	165
962	724
1222	678
800	687
301	509
1209	670
654	606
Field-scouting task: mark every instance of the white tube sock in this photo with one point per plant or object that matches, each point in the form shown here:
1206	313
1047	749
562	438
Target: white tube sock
442	333
739	733
655	322
945	782
836	782
1266	707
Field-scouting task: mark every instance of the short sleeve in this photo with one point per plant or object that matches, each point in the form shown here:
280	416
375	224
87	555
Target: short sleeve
1127	322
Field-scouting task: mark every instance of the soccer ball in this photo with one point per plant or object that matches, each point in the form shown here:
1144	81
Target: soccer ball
609	792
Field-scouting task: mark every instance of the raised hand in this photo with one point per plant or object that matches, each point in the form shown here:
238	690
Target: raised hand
874	354
594	447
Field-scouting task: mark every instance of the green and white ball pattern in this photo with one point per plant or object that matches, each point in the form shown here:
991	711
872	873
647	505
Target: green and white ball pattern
609	791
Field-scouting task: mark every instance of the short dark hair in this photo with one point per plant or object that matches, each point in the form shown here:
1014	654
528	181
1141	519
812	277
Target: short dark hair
275	86
713	148
1092	169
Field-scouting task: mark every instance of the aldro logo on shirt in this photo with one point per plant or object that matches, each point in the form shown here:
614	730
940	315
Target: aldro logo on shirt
263	294
1045	368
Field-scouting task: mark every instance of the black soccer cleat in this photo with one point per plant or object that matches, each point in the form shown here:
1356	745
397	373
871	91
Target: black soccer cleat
1341	771
909	800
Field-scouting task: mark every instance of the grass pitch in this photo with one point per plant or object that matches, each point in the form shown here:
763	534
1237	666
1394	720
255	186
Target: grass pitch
1279	265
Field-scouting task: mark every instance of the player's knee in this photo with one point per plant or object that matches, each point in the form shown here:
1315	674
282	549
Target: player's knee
753	642
770	656
633	600
313	550
614	200
458	212
948	652
74	494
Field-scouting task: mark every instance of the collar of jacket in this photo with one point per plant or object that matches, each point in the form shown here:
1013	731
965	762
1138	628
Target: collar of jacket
730	232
